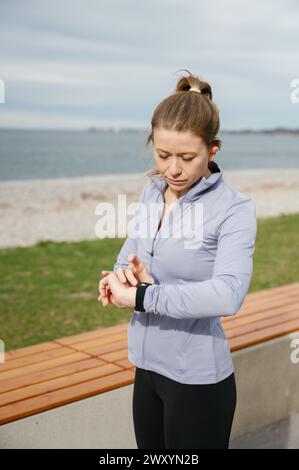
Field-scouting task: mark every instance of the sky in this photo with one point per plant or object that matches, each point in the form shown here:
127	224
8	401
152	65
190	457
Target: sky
72	64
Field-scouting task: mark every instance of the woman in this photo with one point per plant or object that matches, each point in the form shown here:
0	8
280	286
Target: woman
184	391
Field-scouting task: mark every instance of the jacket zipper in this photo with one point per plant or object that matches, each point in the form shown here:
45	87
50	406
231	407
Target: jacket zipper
147	318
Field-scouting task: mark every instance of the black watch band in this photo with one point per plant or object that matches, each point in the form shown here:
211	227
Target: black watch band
140	292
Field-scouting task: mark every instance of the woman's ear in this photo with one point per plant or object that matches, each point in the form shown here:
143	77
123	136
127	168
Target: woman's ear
213	150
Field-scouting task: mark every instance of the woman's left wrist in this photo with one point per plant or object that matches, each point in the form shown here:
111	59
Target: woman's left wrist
132	296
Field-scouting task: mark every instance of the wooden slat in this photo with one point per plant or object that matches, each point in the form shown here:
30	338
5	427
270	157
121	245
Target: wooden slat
110	347
44	365
280	312
262	325
125	363
48	374
250	307
253	304
256	337
262	294
115	355
87	336
30	350
99	341
264	305
23	361
57	384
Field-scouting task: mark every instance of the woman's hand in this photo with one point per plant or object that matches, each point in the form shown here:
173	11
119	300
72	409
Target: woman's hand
134	273
112	290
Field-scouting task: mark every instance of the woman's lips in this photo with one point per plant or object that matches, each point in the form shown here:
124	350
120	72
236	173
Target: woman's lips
176	181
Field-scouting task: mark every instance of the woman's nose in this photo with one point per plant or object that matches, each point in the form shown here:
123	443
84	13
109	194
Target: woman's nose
174	168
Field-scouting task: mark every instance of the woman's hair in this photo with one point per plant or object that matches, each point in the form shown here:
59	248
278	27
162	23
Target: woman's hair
186	110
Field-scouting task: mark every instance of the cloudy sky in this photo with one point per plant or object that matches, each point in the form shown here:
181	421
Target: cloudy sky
79	63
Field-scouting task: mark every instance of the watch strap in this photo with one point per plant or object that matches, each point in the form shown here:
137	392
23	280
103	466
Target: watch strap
140	293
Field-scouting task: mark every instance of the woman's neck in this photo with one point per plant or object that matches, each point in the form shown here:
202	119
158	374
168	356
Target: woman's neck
171	195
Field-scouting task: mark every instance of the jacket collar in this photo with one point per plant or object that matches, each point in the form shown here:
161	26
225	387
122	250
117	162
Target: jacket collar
201	185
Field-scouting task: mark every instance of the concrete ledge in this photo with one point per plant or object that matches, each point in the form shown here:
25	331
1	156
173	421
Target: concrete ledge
267	384
267	391
283	434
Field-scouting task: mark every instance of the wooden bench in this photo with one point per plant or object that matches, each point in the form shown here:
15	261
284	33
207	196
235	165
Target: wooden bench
48	375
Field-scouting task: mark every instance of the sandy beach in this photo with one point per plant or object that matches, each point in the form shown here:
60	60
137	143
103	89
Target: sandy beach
64	209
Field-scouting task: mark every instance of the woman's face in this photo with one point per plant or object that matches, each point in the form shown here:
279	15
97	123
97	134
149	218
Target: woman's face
182	157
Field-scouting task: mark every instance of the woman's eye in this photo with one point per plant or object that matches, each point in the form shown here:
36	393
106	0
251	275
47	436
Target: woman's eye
184	159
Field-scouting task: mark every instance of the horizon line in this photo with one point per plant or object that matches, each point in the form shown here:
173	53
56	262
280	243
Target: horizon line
143	129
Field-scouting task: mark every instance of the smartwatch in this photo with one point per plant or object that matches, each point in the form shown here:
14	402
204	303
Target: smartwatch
140	292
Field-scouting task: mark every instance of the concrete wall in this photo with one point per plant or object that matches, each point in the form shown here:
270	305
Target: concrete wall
267	391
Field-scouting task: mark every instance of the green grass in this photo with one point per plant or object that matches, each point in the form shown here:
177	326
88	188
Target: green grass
50	290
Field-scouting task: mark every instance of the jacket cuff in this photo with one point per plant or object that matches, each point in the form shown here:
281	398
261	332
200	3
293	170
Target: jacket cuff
150	300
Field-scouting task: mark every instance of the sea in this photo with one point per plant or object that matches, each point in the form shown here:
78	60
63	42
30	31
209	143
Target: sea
42	154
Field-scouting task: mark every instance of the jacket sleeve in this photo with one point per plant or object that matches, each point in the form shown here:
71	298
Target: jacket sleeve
224	293
130	244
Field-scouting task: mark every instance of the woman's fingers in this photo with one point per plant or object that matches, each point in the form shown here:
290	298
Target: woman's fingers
121	275
140	270
137	267
136	262
105	299
102	285
131	277
106	295
132	258
104	289
126	276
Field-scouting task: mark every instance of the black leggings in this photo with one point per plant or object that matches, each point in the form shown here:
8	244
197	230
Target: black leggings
171	415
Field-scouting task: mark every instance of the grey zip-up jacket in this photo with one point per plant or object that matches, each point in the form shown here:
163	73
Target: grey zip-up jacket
180	334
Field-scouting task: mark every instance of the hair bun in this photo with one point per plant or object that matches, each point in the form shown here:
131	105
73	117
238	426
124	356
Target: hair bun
207	92
194	83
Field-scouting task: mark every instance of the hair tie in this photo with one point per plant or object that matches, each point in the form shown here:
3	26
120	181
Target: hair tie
193	88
